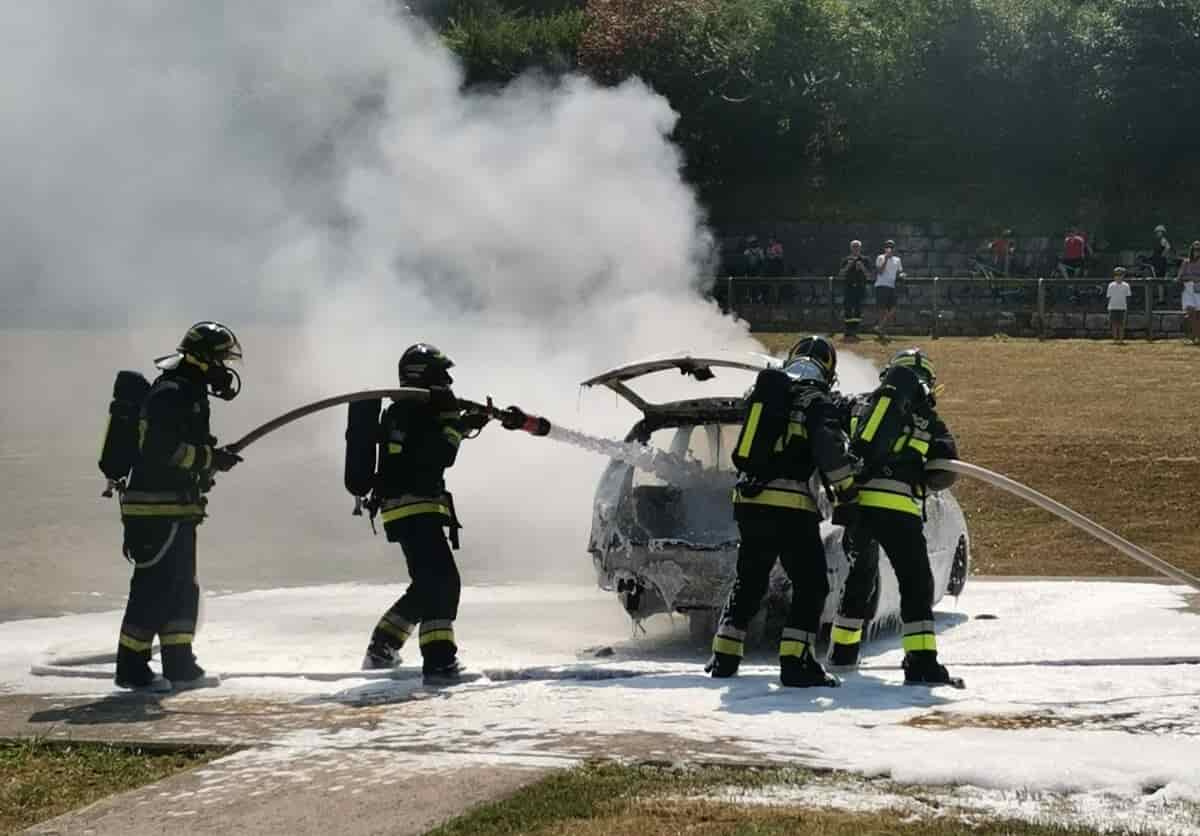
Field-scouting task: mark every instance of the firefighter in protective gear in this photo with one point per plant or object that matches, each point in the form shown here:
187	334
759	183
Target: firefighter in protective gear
164	503
418	441
897	431
778	518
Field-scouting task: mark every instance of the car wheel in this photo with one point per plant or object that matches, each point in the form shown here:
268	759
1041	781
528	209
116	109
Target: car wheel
958	569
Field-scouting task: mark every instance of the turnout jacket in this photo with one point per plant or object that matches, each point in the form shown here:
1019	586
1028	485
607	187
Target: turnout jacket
418	441
175	450
814	440
895	448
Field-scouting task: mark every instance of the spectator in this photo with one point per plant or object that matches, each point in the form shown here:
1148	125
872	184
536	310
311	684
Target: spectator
1118	303
754	256
1189	276
853	272
774	257
1002	250
1160	255
887	270
1075	252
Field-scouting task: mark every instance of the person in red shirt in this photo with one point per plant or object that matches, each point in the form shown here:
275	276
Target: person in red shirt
1002	250
1075	252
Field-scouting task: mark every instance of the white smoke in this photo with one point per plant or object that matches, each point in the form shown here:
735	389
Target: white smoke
313	174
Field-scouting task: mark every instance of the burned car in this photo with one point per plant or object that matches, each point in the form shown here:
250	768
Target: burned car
669	545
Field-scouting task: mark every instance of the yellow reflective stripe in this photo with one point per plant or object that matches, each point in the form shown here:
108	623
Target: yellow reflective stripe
920	446
749	430
135	510
778	499
452	435
142	425
208	455
136	645
437	636
414	509
388	627
730	647
876	418
920	641
169	639
899	445
853	424
184	456
797	430
792	648
841	635
889	502
393	448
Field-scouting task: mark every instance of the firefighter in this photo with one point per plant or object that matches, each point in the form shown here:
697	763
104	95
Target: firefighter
418	441
896	431
164	503
777	516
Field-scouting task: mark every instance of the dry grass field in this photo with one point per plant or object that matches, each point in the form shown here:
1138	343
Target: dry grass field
1113	431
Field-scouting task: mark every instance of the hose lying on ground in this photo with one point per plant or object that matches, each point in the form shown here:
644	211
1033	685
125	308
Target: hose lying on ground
1073	517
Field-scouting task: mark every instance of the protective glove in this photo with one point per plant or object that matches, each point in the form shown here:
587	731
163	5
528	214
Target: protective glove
474	421
845	494
224	459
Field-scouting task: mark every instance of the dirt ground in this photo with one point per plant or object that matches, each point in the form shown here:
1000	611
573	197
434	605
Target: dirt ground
1113	431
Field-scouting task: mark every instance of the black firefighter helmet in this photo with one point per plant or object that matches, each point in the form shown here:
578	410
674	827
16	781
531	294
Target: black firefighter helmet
211	347
916	361
818	349
423	365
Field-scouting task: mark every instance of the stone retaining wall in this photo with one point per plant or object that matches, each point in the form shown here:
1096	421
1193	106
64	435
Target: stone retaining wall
963	308
930	249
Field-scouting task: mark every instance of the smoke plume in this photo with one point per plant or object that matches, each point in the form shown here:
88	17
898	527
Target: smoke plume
314	174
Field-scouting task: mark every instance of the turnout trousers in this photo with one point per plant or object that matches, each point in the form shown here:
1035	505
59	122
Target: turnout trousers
164	597
902	536
793	538
431	600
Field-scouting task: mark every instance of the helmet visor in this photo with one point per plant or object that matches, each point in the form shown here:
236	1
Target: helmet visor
805	369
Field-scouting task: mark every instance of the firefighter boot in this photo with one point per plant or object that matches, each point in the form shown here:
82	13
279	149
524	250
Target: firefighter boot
380	656
179	666
804	671
843	657
443	673
722	665
133	672
921	667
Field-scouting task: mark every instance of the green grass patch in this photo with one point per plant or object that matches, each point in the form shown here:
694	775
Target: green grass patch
41	779
598	799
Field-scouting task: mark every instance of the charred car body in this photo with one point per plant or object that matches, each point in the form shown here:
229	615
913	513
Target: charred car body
671	546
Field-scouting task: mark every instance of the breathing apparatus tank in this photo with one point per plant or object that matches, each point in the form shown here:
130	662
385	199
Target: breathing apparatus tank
362	446
767	408
119	451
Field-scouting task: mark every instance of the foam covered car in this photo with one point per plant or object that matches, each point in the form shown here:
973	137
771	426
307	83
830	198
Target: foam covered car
669	545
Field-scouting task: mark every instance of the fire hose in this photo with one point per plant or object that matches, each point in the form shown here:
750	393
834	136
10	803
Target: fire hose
540	426
1073	517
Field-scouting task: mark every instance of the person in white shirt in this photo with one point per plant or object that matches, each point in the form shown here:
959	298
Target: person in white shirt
1118	294
1189	277
887	270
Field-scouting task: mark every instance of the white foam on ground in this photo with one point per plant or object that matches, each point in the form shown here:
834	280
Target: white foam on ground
1112	729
